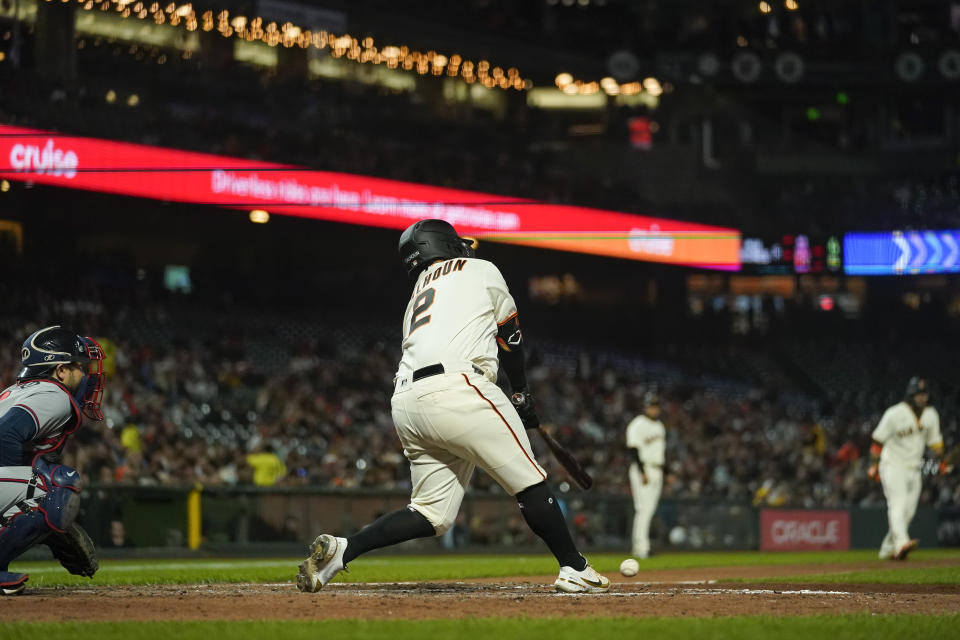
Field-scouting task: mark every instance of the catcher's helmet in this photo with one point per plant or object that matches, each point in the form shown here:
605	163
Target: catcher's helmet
915	386
425	241
49	347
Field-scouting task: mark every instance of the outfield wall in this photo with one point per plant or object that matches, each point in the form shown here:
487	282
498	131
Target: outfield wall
232	519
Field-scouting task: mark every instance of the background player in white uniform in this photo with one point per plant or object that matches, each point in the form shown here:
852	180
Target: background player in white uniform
646	440
460	325
61	380
904	432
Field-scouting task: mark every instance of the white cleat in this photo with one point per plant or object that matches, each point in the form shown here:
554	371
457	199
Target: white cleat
325	562
587	581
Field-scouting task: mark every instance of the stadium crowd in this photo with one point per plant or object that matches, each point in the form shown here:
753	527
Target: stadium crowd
188	402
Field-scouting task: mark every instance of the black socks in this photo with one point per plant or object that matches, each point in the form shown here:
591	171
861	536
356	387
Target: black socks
392	528
542	513
537	504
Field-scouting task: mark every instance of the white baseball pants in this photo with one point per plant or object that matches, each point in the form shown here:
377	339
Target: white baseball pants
451	423
901	487
645	499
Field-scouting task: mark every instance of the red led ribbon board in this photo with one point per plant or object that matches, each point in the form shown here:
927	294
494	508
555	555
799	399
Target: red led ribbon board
199	178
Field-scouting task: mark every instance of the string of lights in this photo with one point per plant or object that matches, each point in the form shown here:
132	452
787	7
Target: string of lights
289	35
349	47
570	85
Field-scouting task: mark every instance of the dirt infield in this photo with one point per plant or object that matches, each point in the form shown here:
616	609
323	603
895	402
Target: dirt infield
674	593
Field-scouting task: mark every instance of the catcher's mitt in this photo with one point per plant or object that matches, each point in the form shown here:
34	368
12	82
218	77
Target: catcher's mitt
75	551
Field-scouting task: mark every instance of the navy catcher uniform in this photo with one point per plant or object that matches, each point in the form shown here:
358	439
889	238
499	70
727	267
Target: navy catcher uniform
60	383
459	327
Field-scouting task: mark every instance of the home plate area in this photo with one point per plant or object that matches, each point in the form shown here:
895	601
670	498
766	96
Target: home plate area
500	598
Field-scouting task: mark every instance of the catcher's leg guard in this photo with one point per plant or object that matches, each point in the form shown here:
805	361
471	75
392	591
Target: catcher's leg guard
55	511
23	531
62	501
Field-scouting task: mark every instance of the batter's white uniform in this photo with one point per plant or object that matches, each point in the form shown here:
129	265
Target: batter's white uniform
904	439
649	438
454	421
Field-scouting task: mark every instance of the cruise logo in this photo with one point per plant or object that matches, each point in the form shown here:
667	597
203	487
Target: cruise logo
48	159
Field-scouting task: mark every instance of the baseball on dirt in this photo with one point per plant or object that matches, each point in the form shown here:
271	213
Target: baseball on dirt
629	567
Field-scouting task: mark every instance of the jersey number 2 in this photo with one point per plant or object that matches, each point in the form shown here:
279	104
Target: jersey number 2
421	304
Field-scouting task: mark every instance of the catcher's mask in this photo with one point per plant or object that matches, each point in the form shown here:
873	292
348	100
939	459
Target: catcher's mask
425	241
49	347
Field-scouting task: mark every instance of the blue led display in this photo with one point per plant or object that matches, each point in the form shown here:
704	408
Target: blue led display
901	253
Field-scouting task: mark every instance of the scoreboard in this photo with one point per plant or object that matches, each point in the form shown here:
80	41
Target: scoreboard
792	254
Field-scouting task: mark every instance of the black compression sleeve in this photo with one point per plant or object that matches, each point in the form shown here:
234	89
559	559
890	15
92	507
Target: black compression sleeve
510	342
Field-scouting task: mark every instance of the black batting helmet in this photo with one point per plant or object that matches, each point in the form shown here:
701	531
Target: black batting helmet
425	241
916	385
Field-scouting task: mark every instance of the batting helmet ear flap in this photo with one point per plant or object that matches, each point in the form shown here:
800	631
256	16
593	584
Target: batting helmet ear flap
468	247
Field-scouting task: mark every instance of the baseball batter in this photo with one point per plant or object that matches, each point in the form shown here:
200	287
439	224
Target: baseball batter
460	325
646	440
60	382
904	432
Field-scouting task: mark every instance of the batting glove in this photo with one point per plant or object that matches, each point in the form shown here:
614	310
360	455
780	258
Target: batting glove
526	408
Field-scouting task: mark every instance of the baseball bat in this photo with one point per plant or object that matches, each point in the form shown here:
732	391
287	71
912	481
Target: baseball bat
566	460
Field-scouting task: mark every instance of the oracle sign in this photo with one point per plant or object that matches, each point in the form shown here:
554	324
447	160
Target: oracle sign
235	183
802	529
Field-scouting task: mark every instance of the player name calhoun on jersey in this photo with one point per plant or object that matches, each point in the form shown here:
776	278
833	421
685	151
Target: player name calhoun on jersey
648	436
453	315
903	437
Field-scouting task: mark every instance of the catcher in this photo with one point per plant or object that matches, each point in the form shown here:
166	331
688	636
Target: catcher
60	382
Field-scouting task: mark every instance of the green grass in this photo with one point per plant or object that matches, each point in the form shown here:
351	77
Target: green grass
385	568
854	627
907	575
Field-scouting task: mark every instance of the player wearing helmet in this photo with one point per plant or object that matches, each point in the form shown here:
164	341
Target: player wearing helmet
60	383
646	443
460	326
904	432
